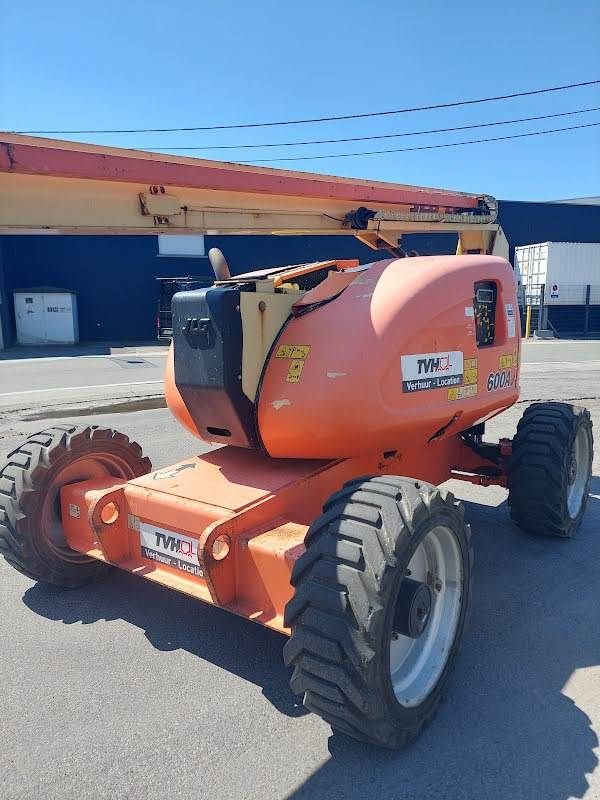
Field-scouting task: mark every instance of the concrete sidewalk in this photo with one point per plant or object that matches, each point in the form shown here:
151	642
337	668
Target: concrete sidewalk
128	378
21	352
532	350
67	385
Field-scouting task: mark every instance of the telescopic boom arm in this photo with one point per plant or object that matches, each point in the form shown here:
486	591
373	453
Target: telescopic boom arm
52	186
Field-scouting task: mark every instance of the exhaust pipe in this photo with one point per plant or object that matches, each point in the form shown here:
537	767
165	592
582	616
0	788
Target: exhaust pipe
219	264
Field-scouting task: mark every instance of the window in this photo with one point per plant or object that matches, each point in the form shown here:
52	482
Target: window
181	245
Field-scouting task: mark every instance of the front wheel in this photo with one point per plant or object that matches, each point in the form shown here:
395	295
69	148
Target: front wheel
32	539
381	598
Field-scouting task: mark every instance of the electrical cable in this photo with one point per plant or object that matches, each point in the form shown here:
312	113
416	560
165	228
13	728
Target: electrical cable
322	119
379	136
424	147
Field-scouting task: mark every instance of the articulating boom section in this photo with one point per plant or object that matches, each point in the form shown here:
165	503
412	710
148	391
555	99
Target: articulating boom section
52	186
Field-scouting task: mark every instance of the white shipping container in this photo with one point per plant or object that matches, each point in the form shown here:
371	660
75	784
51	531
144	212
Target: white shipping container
564	269
46	316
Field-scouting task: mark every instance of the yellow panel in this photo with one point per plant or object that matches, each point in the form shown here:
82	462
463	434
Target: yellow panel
474	240
259	330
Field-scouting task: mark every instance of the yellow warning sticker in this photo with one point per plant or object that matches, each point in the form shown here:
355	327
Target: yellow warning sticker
301	351
460	392
295	351
508	361
470	376
470	371
295	370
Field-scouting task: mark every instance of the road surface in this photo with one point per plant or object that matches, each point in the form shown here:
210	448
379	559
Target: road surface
127	690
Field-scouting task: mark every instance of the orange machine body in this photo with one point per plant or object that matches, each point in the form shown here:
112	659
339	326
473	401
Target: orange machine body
399	327
171	525
380	377
347	378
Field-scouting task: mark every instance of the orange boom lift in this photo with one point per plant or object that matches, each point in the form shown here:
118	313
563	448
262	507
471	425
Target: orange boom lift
340	395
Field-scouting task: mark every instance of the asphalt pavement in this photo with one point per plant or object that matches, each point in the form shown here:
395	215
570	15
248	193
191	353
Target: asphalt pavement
128	690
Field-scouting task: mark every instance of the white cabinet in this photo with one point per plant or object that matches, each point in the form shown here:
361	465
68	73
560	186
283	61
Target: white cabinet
46	316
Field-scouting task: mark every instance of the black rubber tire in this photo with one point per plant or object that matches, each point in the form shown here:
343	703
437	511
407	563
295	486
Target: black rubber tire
341	615
539	470
25	483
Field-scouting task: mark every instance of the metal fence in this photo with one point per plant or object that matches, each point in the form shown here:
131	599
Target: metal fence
571	309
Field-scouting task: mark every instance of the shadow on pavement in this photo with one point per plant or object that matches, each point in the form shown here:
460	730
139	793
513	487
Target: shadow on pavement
507	728
172	621
54	351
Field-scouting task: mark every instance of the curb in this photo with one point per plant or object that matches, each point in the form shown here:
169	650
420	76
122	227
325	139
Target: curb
84	409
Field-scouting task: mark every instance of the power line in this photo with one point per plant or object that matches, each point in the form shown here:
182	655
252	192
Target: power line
424	147
370	138
323	119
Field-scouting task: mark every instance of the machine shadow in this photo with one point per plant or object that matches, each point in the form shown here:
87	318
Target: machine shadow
172	621
508	728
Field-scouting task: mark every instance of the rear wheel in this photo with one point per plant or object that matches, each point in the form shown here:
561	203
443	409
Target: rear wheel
31	536
381	597
551	468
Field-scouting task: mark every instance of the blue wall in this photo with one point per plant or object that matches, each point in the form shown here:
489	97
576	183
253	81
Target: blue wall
530	223
115	276
5	304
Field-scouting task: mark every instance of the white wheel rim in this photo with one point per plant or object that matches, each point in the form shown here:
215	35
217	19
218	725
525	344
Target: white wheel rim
417	664
579	472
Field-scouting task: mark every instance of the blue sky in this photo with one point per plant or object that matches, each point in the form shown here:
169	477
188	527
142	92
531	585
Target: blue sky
66	65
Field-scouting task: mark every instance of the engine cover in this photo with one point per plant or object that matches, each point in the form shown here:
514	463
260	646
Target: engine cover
412	351
207	344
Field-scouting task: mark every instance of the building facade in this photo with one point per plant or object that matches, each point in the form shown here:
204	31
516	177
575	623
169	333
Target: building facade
115	277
